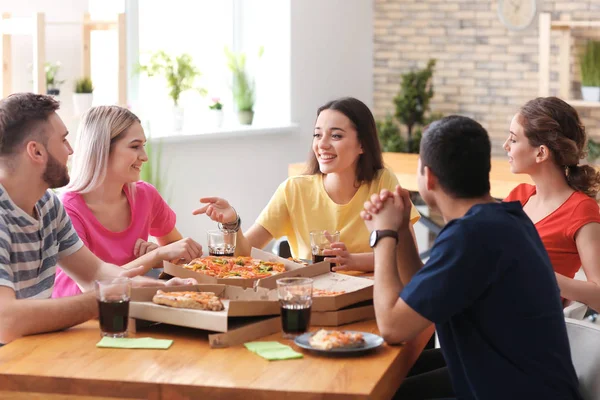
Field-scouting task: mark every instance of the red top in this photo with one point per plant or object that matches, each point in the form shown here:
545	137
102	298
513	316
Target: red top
558	228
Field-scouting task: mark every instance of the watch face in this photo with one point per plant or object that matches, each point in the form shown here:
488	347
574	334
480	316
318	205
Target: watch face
373	238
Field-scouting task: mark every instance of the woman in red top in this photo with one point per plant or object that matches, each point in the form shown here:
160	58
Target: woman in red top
546	141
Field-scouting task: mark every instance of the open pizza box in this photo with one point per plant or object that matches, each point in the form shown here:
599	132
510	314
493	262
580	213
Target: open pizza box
290	266
238	302
355	289
358	312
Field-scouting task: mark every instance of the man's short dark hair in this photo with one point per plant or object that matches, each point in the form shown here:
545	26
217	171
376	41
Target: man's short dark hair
458	151
20	116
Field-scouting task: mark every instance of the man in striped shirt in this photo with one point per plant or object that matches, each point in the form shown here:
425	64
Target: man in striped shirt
35	231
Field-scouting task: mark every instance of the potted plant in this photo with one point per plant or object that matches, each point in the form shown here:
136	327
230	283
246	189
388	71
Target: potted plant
52	83
589	63
412	102
216	112
83	96
243	85
412	111
180	74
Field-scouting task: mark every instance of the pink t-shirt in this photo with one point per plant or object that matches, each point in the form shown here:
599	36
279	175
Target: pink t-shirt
150	215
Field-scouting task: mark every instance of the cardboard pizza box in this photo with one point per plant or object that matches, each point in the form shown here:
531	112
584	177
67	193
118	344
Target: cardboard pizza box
242	330
358	312
238	302
356	289
290	266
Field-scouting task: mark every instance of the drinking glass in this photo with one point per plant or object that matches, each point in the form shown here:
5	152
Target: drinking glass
113	304
295	299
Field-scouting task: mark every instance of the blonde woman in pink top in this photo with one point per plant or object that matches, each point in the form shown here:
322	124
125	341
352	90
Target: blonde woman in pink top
113	211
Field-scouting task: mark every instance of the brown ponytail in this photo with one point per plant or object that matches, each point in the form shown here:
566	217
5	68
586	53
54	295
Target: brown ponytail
584	178
551	122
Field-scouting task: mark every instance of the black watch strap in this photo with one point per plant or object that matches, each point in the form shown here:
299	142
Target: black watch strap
380	234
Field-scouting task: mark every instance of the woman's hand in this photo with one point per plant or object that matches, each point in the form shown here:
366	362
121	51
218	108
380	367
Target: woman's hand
217	209
143	247
186	249
345	260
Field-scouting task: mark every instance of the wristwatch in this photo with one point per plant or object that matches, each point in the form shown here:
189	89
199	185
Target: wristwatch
378	235
231	226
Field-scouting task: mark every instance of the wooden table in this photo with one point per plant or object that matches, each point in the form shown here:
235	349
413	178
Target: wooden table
502	181
67	365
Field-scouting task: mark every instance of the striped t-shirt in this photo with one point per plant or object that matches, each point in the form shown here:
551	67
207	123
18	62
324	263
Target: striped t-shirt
30	247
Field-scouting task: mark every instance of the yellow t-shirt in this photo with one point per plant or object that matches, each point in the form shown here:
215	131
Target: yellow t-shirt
301	205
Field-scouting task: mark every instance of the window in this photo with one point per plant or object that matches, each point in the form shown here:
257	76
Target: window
202	29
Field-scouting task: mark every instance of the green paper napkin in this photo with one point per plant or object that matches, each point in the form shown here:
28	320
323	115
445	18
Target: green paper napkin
135	343
273	350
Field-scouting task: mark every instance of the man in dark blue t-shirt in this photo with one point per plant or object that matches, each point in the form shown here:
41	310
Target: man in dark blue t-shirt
488	285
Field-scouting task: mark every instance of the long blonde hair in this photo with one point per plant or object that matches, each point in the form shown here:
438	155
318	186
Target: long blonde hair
100	127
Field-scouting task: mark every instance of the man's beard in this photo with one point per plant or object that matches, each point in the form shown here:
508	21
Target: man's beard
55	175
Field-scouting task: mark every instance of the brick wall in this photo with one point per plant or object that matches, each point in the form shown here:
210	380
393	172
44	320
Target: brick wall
484	70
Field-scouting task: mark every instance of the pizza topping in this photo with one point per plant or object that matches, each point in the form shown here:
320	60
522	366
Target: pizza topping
235	267
327	340
194	300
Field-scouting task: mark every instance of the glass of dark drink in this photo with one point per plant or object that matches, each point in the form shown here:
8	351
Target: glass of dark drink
321	241
113	304
295	298
221	243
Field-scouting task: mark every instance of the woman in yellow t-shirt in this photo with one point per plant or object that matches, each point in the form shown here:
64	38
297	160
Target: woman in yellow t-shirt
344	169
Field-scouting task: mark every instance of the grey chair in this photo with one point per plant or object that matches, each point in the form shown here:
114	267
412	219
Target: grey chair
584	339
575	311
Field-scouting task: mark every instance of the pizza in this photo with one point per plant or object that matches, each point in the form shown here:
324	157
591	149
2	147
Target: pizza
327	340
324	293
235	267
194	300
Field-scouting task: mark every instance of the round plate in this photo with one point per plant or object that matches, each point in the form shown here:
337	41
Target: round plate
371	341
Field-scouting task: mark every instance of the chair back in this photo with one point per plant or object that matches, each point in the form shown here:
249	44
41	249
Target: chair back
584	339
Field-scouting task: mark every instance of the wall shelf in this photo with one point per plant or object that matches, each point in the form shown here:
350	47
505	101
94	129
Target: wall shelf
584	104
546	25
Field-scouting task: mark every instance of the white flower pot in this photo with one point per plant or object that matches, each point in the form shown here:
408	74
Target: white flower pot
590	93
215	118
82	102
246	117
177	118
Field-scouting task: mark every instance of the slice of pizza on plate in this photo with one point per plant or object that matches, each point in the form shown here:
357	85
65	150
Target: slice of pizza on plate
327	340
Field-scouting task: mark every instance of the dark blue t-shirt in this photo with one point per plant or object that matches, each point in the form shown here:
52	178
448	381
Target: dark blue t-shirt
490	289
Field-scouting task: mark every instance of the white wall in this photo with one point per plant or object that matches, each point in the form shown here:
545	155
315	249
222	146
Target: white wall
330	56
63	43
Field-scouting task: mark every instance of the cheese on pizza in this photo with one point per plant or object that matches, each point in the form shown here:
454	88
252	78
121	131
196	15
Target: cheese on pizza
235	267
327	340
194	300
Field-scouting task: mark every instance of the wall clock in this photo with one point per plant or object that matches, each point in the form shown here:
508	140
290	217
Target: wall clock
517	14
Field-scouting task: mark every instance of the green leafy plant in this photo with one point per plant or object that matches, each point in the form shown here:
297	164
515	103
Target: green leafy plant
412	101
243	86
84	85
179	71
216	104
51	70
589	63
593	150
389	136
153	171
